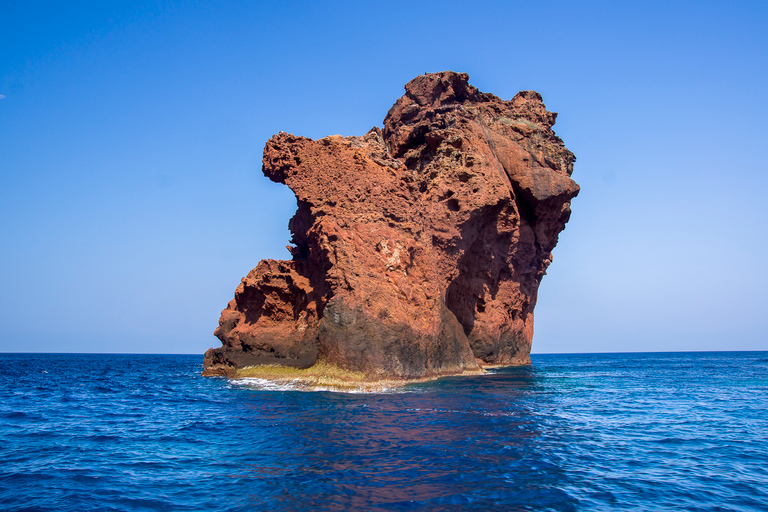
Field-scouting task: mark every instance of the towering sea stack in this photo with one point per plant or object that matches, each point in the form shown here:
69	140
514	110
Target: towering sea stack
417	249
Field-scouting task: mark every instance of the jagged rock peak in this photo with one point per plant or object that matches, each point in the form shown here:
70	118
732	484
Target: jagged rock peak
438	89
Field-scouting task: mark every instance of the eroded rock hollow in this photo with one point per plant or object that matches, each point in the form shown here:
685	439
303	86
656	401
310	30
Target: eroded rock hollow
417	249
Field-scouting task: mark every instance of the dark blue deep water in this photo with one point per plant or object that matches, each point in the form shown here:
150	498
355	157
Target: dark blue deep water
684	431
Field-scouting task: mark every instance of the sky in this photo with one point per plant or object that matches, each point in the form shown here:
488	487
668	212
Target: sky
131	133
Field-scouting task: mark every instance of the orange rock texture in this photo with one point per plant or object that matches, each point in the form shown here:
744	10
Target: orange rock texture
417	249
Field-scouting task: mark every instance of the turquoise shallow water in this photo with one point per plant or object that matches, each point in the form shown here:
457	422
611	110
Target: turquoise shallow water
686	431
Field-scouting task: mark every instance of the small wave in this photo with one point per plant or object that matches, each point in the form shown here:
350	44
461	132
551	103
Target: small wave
16	415
299	385
103	438
266	385
20	415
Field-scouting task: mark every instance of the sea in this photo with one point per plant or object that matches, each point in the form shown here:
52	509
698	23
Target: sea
644	431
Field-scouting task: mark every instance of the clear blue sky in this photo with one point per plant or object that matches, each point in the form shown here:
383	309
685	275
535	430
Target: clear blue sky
132	200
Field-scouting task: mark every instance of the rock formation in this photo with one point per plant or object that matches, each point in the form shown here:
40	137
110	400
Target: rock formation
417	249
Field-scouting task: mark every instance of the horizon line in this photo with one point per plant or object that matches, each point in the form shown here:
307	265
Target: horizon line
533	354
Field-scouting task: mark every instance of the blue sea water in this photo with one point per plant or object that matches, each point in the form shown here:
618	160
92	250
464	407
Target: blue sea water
671	431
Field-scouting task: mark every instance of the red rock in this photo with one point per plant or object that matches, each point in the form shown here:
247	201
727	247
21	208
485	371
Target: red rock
417	249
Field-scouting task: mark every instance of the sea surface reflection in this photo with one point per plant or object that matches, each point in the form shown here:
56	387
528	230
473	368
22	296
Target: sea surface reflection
458	443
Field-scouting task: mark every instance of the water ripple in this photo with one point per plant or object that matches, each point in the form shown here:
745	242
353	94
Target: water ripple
571	432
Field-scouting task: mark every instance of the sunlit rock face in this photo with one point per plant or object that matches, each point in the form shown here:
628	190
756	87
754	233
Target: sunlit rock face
417	249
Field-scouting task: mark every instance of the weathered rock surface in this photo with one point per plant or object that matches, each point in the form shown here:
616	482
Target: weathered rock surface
417	249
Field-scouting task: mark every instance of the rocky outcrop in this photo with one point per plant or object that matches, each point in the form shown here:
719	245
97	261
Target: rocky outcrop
417	249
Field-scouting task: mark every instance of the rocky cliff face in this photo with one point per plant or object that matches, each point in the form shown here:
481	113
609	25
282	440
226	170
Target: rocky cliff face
417	249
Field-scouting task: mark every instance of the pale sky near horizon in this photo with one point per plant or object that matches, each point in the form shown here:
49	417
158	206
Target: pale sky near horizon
131	133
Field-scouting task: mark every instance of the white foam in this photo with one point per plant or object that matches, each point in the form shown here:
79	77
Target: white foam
267	385
298	385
